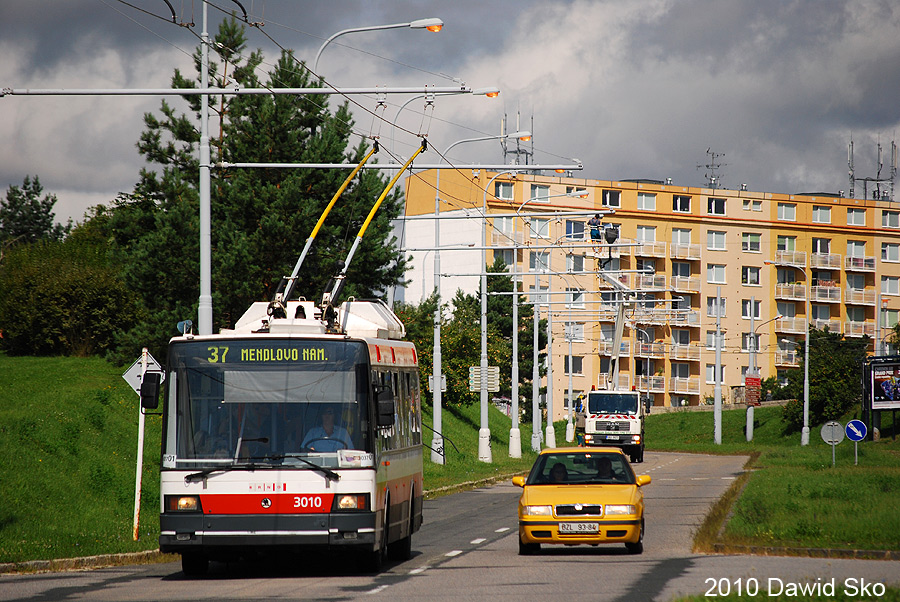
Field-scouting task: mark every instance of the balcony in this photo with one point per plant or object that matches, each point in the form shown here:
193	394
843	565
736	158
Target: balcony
690	385
859	264
624	381
826	292
685	352
650	249
645	282
680	317
791	325
656	317
654	350
507	239
679	251
655	384
786	358
825	261
796	259
790	291
831	325
859	296
605	348
686	284
858	329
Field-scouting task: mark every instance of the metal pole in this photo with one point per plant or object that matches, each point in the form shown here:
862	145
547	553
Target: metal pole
484	433
515	437
804	434
205	308
717	409
139	469
437	443
551	434
570	426
536	374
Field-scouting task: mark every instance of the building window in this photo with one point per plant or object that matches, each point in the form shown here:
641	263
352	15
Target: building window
890	318
540	193
821	214
749	275
890	219
711	374
539	227
715	240
574	331
503	190
611	198
574	297
715	273
890	251
750	242
787	243
577	192
820	311
856	217
506	255
787	212
539	295
821	246
574	263
574	229
856	248
577	362
681	236
715	206
745	341
710	339
712	307
646	201
890	285
751	205
681	203
747	307
856	282
681	269
539	261
646	233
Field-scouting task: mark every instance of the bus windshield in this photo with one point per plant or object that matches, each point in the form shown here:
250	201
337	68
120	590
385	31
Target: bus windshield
266	402
606	402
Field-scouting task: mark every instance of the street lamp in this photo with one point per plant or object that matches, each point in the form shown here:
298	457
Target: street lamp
488	91
432	24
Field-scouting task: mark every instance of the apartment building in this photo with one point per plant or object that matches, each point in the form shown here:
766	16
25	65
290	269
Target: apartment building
756	266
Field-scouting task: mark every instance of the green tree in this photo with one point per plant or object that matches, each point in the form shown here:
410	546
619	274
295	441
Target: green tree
62	298
27	217
835	387
261	218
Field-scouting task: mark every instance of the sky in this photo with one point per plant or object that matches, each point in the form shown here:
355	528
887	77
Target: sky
639	89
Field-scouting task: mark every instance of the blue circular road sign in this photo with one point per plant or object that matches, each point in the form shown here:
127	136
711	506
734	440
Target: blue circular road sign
856	430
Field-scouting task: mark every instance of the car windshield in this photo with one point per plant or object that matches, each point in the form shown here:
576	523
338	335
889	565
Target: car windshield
581	468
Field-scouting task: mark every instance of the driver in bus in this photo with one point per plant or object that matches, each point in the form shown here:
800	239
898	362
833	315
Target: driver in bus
329	437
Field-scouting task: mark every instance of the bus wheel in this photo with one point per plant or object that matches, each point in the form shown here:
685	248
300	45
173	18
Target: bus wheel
194	564
373	560
402	549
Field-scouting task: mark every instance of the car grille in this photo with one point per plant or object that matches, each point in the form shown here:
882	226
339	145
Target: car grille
609	425
586	510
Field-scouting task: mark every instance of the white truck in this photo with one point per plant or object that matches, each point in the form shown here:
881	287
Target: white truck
615	418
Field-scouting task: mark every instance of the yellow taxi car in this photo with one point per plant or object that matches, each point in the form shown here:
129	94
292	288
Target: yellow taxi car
581	495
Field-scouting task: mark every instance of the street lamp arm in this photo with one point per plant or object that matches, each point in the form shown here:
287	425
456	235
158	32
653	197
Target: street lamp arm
432	24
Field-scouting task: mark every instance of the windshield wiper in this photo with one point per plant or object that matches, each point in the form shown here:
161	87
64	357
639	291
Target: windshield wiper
198	476
326	471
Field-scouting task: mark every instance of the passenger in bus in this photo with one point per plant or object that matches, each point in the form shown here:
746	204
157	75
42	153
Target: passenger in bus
329	437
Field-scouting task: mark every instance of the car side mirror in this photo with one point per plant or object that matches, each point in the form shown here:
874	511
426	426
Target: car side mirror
384	398
150	390
518	481
643	479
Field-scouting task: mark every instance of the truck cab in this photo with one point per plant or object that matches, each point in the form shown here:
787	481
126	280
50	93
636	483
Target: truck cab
615	418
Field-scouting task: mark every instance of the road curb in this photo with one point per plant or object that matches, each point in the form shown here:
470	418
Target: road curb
84	562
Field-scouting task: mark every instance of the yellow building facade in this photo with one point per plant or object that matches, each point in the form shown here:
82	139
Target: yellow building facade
777	261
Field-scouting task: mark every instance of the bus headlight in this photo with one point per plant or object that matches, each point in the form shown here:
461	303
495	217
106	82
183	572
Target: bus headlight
183	503
351	501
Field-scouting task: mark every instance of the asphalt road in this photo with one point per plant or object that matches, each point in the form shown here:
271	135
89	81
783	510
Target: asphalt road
467	550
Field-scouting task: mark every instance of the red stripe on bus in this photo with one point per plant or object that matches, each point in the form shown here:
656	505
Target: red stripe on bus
262	503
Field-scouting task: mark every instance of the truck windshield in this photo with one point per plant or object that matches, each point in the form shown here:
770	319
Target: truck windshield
606	402
265	401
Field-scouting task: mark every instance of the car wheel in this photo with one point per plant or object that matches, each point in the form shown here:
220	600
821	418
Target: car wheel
638	546
527	549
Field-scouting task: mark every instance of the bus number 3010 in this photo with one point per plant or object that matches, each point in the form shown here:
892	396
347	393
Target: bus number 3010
308	501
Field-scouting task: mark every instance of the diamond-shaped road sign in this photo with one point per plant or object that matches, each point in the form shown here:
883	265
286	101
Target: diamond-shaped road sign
133	375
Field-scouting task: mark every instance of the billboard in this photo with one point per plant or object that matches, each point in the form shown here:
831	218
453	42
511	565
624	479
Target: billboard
885	386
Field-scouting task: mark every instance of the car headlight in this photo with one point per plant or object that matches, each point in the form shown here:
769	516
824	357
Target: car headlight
620	509
537	510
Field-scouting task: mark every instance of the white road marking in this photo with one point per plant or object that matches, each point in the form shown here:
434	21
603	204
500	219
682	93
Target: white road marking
502	529
478	541
380	588
453	553
421	569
